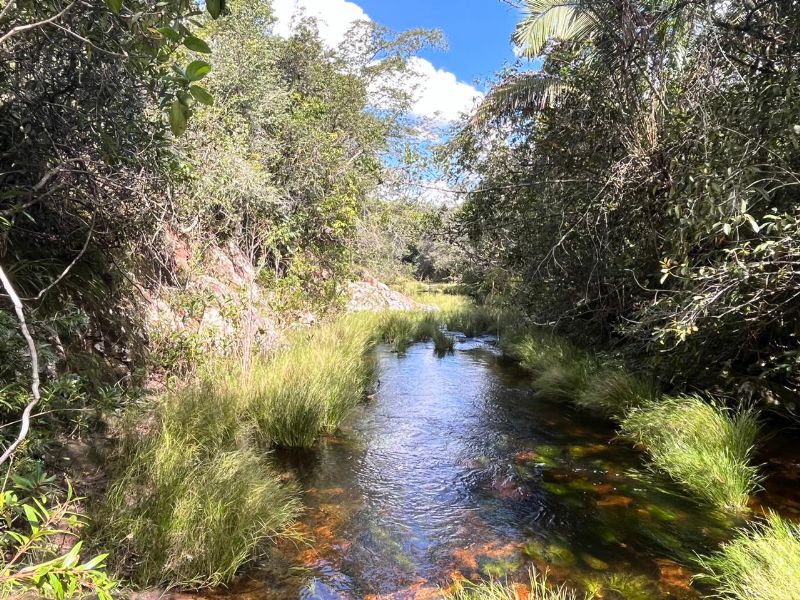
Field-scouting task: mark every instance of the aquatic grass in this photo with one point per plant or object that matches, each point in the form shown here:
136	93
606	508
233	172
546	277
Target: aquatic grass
761	563
613	392
700	444
565	380
475	320
308	388
559	370
537	352
537	588
194	499
443	342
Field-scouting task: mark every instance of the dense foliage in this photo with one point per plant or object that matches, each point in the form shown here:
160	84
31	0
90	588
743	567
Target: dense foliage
643	186
126	125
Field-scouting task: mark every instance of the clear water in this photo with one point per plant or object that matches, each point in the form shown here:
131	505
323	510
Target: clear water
455	469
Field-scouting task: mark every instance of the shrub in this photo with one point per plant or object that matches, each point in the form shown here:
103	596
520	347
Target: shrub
699	444
762	563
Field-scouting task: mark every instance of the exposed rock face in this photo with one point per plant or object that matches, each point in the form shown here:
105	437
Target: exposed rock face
219	307
371	294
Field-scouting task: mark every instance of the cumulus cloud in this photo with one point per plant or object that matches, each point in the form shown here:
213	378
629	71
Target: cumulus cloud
438	93
335	17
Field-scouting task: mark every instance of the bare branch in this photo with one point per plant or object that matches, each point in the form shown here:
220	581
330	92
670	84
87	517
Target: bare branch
20	28
64	273
26	414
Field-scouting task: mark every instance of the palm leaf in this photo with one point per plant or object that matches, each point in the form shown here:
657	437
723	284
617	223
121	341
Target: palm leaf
553	19
532	90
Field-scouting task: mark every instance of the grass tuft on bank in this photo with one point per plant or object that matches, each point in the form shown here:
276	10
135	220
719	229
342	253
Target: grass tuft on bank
761	563
195	499
307	389
700	444
538	588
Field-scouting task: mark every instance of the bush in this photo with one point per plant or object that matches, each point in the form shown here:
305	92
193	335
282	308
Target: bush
699	444
762	563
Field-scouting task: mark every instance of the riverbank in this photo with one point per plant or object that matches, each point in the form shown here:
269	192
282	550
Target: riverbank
303	392
197	497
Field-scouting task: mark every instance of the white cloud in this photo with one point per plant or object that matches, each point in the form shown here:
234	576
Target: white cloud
440	96
438	93
335	17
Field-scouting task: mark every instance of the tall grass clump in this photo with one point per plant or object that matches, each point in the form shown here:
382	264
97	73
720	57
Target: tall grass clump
402	328
308	388
559	370
699	444
538	589
443	342
194	499
613	392
762	563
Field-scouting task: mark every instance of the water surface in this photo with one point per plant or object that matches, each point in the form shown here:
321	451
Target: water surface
455	469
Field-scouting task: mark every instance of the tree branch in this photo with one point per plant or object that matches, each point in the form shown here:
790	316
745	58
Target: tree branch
19	28
26	414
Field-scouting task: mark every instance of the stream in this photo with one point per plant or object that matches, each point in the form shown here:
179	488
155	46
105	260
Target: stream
455	469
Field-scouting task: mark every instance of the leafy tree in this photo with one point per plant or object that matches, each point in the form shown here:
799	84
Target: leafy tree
641	187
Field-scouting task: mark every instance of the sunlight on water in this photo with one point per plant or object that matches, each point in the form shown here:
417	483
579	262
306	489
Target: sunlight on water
454	469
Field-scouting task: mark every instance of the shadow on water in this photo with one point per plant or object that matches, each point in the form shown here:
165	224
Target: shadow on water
456	469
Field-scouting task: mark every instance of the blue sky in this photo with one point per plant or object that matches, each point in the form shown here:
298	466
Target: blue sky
477	31
446	84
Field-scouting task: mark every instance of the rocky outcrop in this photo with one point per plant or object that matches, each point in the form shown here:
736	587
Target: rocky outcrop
371	294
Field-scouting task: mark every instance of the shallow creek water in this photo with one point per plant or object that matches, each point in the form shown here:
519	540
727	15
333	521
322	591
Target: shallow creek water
455	469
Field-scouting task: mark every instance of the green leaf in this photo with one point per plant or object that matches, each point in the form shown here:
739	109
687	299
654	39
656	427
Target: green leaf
197	70
169	33
71	558
177	118
215	8
114	6
196	44
58	589
30	513
97	560
201	95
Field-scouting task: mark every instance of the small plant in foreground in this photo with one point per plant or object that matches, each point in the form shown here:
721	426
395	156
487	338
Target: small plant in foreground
32	541
762	563
536	589
699	444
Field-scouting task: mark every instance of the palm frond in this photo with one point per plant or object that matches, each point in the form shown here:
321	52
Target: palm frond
528	91
553	19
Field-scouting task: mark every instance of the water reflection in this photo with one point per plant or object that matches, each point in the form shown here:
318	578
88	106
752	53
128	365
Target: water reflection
455	469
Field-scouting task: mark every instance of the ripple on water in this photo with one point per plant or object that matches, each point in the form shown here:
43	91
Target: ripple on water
456	470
